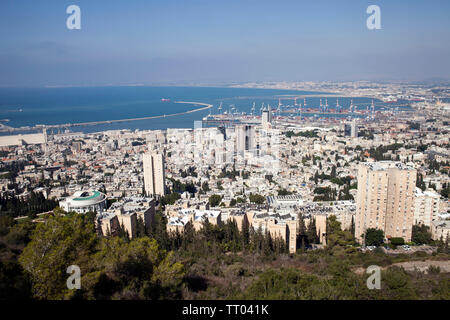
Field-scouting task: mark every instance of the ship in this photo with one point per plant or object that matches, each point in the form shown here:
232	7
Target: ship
165	100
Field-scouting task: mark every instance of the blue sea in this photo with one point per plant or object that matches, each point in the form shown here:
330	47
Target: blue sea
49	106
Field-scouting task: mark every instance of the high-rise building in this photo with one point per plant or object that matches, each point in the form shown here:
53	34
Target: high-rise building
351	129
266	118
154	176
347	130
385	199
354	129
245	138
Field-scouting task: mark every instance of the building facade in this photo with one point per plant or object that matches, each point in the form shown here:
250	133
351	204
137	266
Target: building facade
440	229
125	214
245	138
385	199
426	207
154	175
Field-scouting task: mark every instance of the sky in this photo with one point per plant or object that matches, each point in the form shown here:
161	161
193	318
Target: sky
221	41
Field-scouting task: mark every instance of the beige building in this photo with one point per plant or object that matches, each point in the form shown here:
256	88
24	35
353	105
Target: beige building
128	221
278	226
440	228
385	199
426	207
178	220
321	226
126	213
239	218
154	176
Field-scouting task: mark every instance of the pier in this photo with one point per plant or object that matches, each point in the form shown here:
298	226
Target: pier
206	106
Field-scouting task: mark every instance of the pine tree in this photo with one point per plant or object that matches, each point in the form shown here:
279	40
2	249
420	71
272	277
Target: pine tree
303	246
122	233
188	235
352	228
258	240
312	231
267	244
245	234
441	245
140	228
333	172
446	244
301	225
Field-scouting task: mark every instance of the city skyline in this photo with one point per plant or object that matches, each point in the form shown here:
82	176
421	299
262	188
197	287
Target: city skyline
216	151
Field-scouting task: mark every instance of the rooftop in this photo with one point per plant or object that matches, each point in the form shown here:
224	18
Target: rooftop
86	195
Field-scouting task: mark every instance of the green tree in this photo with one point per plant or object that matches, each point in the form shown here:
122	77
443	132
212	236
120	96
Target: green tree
57	243
421	234
374	237
14	283
352	227
256	198
335	236
245	233
397	284
312	232
5	225
140	227
214	200
138	269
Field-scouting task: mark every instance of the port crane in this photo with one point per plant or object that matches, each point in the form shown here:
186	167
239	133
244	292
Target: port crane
338	107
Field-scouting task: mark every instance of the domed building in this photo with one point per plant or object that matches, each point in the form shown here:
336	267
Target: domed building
84	201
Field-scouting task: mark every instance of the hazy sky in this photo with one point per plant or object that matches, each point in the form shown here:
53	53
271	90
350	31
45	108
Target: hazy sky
211	41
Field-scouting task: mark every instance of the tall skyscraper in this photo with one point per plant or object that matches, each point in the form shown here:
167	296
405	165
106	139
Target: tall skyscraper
351	129
245	138
385	199
154	176
354	129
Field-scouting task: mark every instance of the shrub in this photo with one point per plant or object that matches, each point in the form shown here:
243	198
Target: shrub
434	269
374	237
397	241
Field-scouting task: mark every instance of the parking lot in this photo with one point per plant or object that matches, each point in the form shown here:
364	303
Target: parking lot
403	249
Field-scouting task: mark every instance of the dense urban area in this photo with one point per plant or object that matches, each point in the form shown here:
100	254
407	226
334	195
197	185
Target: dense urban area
272	205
